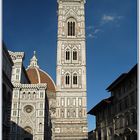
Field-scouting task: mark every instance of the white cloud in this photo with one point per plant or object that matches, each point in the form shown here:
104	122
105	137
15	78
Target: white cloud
90	35
94	33
110	18
90	27
107	18
97	31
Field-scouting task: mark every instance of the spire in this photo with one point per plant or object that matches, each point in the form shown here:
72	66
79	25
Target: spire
33	61
34	53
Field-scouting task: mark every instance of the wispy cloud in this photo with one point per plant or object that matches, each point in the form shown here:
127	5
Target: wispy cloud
90	31
90	27
97	31
93	32
90	35
107	18
110	18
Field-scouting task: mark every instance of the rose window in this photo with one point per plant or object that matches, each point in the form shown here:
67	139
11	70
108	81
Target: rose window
28	109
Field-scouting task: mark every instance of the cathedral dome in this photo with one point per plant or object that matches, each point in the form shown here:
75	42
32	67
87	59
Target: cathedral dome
36	75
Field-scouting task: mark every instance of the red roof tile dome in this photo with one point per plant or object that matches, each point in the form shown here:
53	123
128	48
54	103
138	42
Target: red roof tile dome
36	75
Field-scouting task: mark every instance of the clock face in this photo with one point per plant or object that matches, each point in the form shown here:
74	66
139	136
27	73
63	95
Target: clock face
28	108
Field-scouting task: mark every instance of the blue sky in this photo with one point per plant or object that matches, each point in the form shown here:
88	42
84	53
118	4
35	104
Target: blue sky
111	39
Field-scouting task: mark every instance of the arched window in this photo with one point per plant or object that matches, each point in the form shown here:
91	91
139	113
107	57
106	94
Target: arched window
67	55
75	79
68	28
40	126
74	55
29	95
71	28
67	79
23	95
34	95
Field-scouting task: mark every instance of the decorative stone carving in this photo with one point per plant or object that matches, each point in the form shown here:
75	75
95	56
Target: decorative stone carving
71	125
28	109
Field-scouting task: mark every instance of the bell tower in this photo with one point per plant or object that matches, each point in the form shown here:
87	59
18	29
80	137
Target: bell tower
71	113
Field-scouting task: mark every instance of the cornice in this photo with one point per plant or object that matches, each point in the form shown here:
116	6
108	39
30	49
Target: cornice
30	86
16	55
60	1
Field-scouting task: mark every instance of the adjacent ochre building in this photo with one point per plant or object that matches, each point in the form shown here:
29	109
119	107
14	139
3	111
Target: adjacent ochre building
41	109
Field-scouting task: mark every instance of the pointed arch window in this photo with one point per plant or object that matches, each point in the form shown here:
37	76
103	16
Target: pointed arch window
75	79
75	55
67	55
67	79
71	28
68	28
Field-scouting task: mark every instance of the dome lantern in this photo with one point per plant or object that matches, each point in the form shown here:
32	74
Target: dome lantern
33	61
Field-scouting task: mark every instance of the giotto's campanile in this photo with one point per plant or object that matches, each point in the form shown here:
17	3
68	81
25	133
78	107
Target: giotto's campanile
71	113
